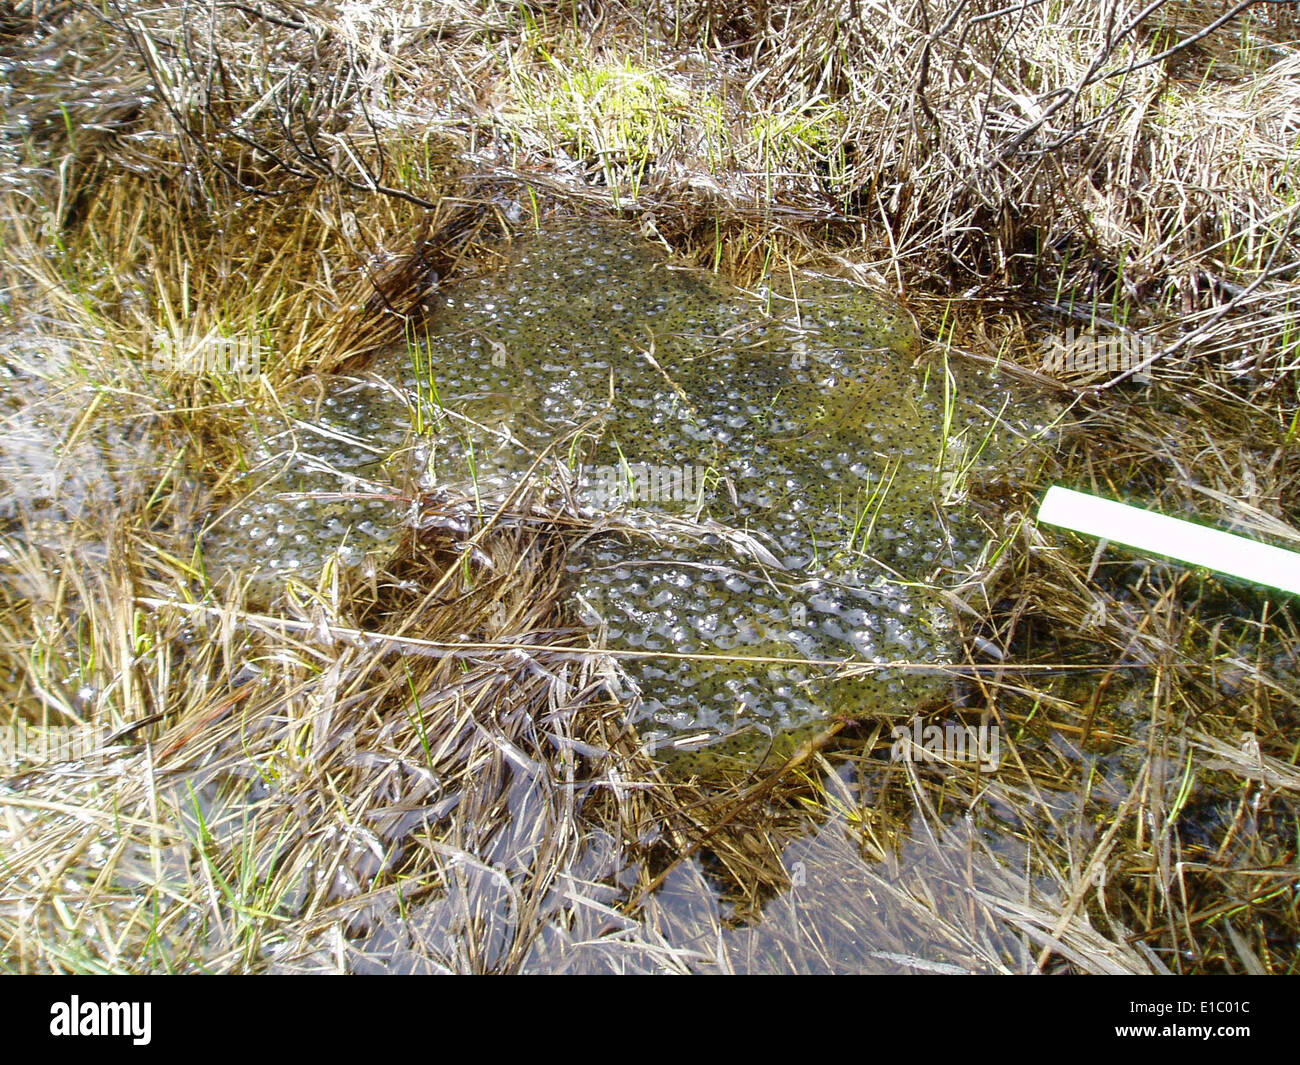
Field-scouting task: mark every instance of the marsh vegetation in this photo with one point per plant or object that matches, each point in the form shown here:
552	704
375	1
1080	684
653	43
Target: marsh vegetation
242	251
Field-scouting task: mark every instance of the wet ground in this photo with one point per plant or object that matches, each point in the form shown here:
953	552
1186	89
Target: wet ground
793	466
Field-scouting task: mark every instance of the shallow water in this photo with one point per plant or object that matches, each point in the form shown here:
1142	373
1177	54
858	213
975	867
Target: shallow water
814	425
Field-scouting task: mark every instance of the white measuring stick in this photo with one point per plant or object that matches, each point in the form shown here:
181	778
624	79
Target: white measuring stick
1174	538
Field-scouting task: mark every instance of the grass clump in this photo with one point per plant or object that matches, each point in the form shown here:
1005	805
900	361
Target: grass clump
613	120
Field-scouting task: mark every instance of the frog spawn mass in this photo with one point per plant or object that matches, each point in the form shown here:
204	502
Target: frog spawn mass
812	425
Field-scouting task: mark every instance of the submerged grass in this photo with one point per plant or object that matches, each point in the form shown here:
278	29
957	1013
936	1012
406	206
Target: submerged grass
415	764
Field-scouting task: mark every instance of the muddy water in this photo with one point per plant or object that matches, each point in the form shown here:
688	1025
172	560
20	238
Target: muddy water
793	470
